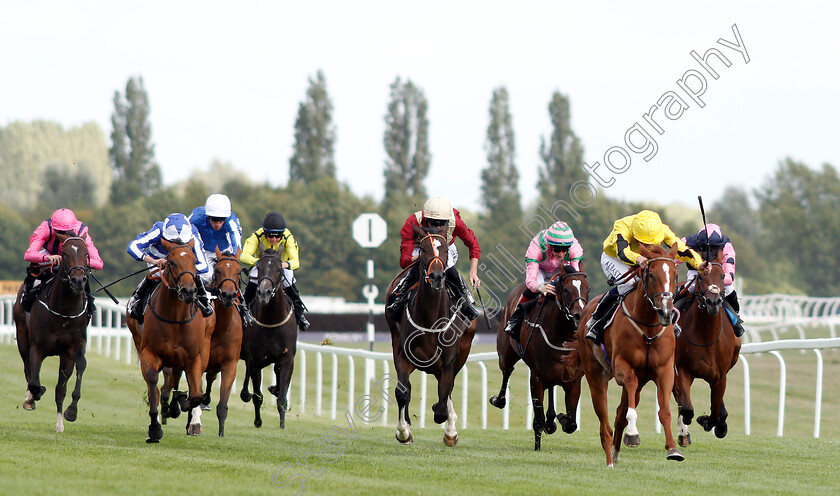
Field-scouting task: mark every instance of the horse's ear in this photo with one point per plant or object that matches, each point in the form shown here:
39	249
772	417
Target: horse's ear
83	235
238	253
674	250
191	244
218	252
582	267
262	251
168	245
61	237
419	232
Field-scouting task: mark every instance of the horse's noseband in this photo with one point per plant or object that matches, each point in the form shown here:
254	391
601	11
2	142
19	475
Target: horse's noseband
174	286
435	260
664	295
558	299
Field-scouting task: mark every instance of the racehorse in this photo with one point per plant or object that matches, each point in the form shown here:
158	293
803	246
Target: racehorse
707	349
638	347
431	336
174	334
225	343
57	326
544	334
272	339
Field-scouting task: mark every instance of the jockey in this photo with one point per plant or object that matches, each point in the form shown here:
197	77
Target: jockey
219	228
45	248
712	236
274	234
548	252
147	247
438	213
621	254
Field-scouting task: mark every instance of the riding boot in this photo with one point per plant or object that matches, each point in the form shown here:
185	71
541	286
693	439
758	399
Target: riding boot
247	319
515	322
292	291
27	298
250	293
595	324
730	303
202	299
399	295
462	293
683	298
137	302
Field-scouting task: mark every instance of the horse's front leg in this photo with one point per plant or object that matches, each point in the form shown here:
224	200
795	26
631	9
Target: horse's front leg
23	348
245	395
225	386
717	417
507	359
34	387
65	370
72	411
210	377
550	425
150	367
283	369
256	379
664	380
537	393
194	371
572	398
500	400
402	392
682	395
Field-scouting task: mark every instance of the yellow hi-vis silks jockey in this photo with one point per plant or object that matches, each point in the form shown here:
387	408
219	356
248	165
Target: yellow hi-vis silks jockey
645	227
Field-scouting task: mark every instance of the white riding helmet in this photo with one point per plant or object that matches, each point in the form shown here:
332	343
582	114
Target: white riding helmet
217	206
438	208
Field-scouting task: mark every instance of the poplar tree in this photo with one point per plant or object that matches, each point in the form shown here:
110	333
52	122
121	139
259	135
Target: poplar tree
406	144
313	156
562	155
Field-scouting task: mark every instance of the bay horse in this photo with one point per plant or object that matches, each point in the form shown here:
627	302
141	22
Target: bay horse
431	336
545	334
272	339
225	343
638	348
57	326
175	335
707	349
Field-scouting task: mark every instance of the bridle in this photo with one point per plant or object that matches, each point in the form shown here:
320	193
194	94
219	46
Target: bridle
172	283
436	259
68	271
664	295
275	285
218	284
702	300
566	309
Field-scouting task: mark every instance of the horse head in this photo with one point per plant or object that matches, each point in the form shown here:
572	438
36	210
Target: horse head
226	277
709	287
659	281
572	293
269	275
180	262
75	262
434	249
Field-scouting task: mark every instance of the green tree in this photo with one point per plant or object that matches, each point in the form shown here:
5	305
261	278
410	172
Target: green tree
132	153
798	208
498	225
562	156
406	145
67	188
313	156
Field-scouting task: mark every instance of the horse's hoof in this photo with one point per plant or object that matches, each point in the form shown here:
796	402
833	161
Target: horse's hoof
273	391
675	454
245	396
194	430
721	429
550	427
152	440
29	405
498	402
567	422
705	422
410	439
450	441
632	441
258	423
70	414
205	407
155	434
570	427
282	424
685	441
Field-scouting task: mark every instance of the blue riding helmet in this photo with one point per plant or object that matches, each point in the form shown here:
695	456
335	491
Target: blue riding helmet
177	229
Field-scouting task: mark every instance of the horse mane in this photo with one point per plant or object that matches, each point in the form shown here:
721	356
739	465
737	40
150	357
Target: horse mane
270	251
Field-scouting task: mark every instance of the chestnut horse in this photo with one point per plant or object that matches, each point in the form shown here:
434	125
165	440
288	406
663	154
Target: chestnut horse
272	339
707	349
638	347
56	326
544	334
174	334
431	336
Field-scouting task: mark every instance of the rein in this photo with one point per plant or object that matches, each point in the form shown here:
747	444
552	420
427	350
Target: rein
173	286
218	284
64	277
435	259
275	285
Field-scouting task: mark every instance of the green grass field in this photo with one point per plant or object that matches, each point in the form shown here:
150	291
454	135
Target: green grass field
104	451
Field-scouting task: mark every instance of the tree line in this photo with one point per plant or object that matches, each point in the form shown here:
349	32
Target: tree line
783	231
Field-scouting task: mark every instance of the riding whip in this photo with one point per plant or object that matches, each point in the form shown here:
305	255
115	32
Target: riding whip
483	308
113	298
703	213
120	279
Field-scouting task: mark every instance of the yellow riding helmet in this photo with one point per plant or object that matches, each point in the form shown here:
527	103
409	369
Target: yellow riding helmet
648	228
437	208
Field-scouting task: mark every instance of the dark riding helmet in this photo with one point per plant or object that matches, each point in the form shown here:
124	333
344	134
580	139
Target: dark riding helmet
712	235
274	223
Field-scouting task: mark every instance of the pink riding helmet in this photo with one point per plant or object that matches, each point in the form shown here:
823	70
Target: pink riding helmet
63	219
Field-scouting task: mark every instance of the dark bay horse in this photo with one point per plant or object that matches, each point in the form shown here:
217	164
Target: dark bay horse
57	326
638	348
272	339
175	335
707	349
431	336
225	343
545	335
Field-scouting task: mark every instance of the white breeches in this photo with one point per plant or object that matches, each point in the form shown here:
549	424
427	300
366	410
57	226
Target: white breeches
288	276
615	269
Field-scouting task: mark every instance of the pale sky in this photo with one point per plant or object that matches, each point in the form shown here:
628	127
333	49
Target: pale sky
225	79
